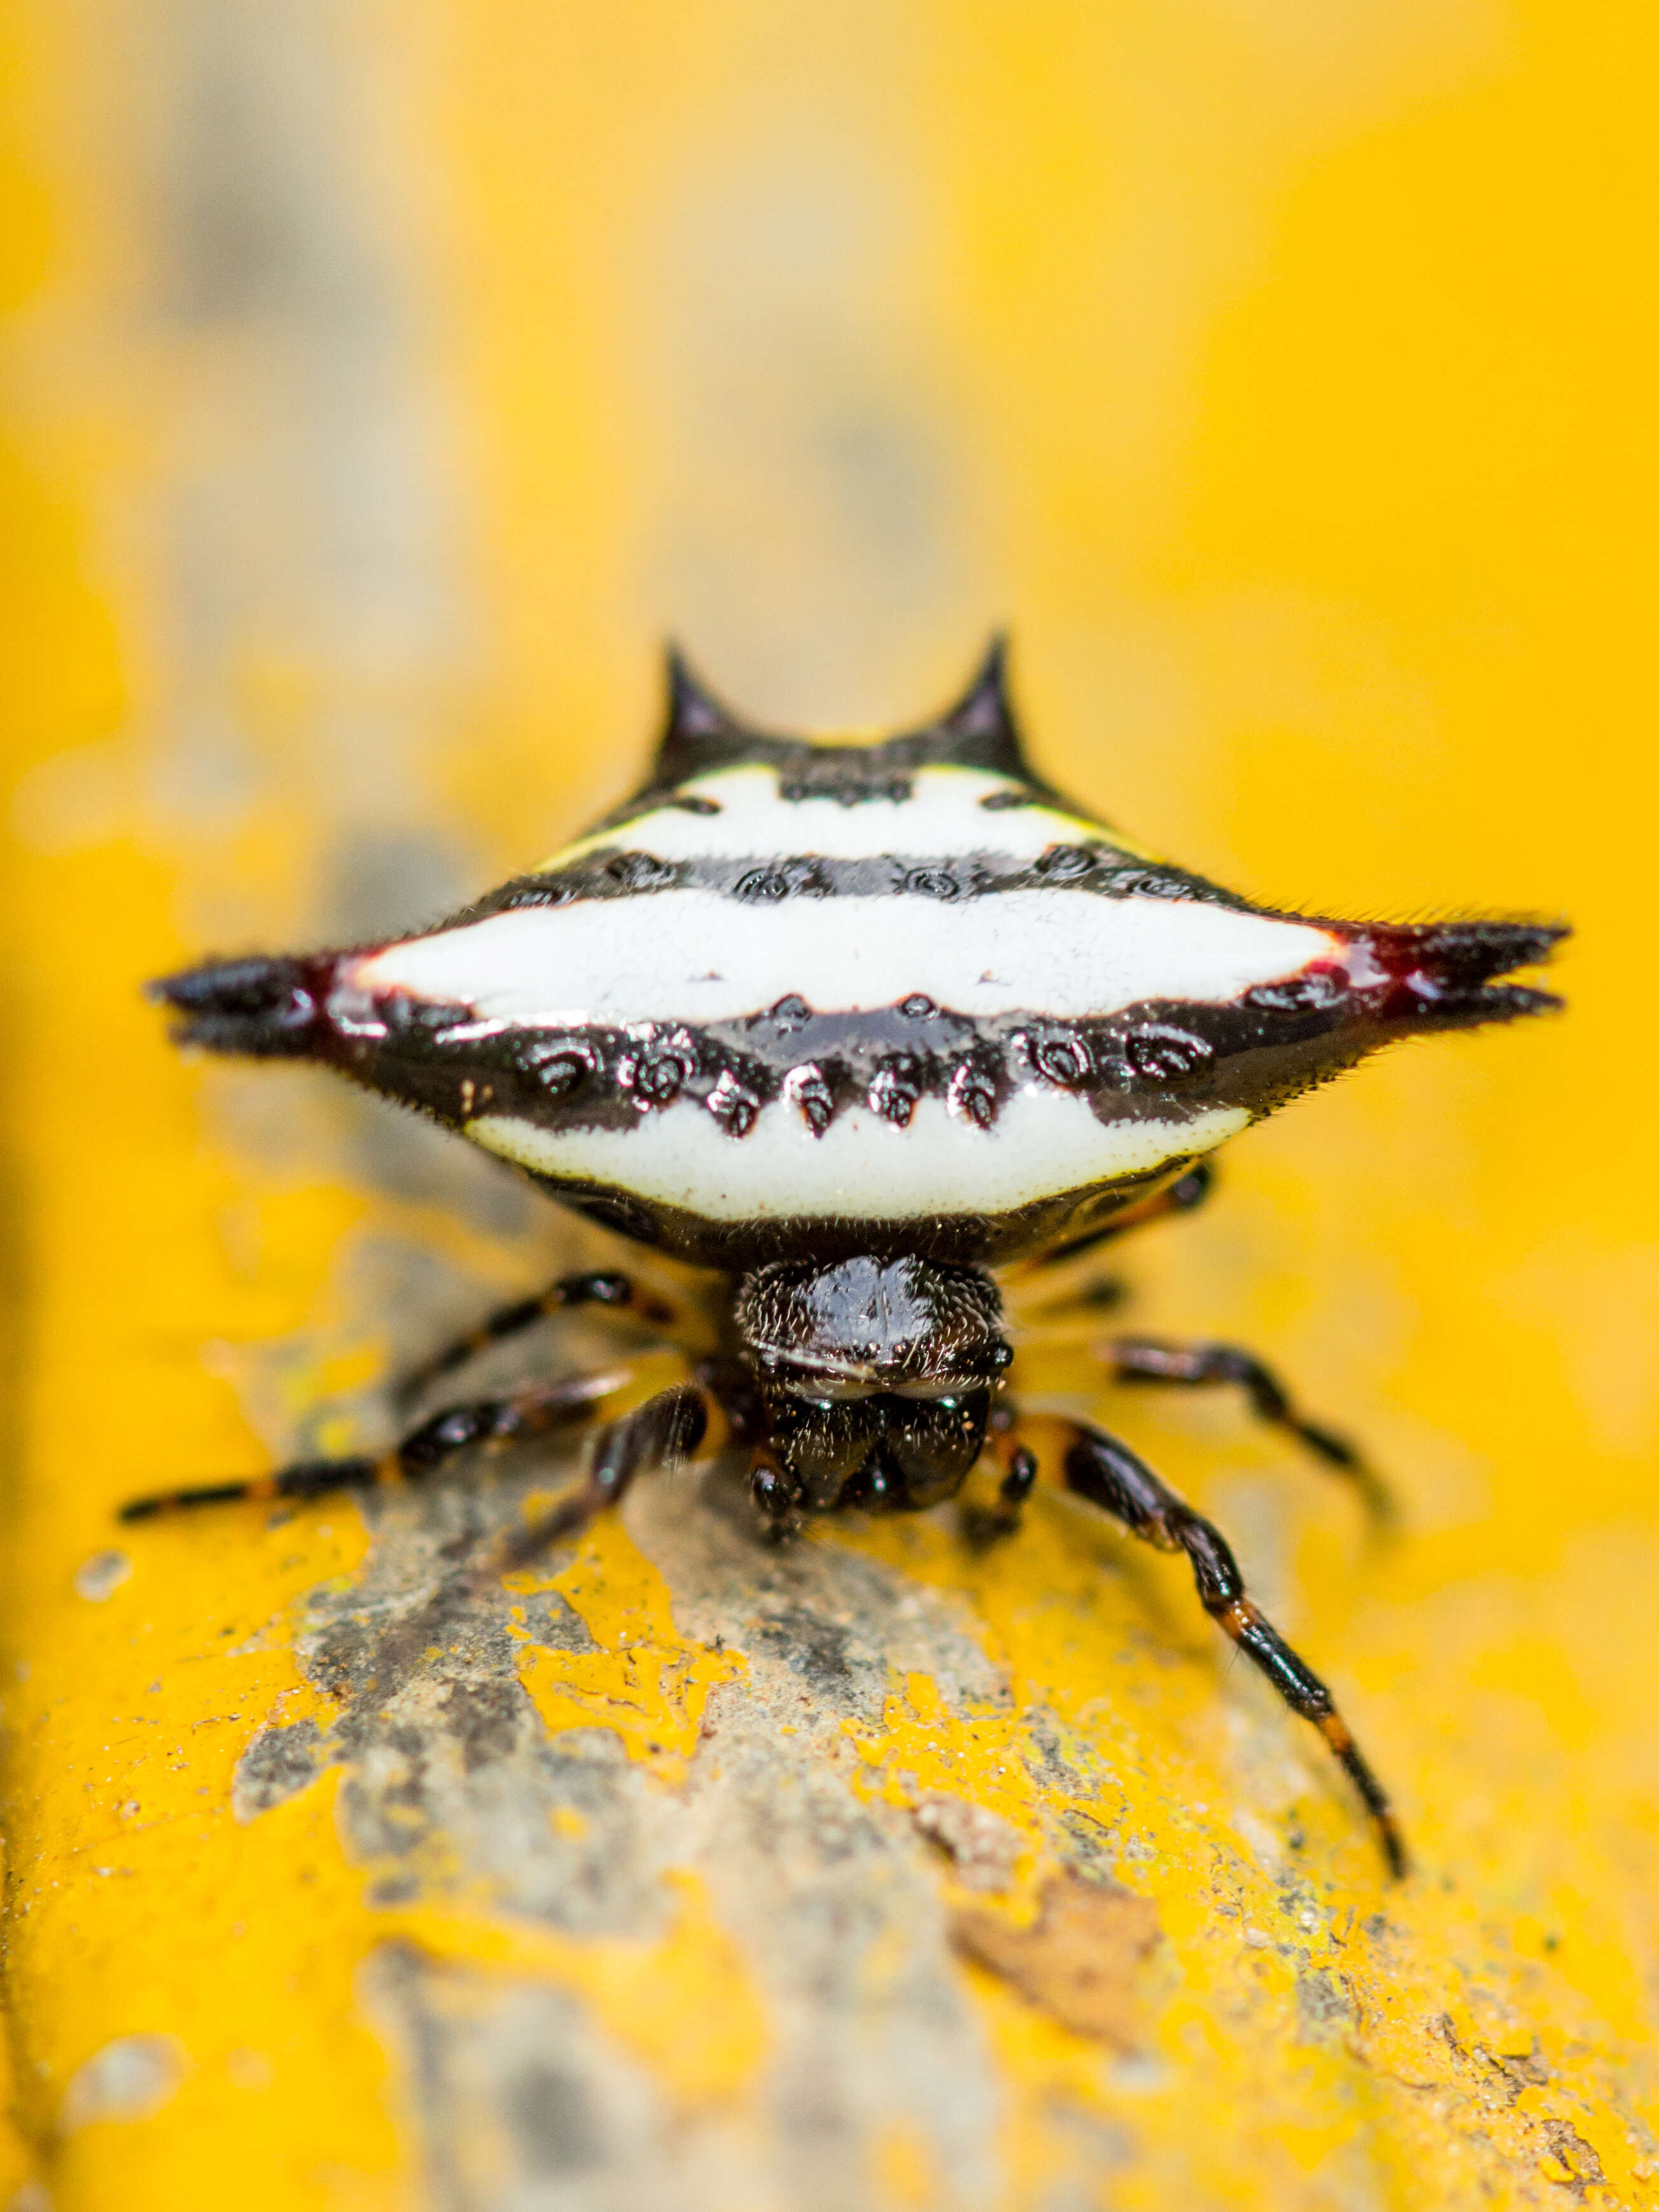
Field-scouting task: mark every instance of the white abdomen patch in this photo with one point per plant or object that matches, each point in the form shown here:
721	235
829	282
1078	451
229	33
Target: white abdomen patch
694	956
861	1168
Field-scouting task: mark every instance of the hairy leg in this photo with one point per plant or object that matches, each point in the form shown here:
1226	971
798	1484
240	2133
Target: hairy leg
421	1453
1186	1193
1049	1285
665	1430
1108	1474
1146	1359
618	1293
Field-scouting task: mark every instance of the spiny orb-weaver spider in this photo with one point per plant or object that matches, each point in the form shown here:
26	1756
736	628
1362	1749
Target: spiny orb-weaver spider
852	1026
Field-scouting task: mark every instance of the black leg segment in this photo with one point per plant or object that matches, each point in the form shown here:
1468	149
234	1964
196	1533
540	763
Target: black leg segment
665	1430
620	1293
422	1453
1108	1473
1147	1359
1186	1193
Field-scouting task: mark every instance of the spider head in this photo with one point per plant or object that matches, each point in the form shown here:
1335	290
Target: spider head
877	1376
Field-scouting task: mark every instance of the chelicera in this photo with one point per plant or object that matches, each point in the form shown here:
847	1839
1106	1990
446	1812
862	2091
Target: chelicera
880	1038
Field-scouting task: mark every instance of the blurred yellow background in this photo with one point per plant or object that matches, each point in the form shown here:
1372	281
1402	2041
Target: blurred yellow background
380	386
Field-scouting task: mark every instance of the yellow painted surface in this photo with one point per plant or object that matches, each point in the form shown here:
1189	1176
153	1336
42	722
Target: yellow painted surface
1283	375
643	1679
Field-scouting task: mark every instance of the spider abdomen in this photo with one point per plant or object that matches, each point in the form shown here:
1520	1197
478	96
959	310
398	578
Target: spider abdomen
839	999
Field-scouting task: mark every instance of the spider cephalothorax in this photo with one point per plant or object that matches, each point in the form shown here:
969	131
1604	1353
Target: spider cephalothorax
850	1025
876	1379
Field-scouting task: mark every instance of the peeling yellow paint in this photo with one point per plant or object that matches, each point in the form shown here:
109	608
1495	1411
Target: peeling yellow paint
646	1682
16	2166
645	1993
1362	1984
905	2176
922	1746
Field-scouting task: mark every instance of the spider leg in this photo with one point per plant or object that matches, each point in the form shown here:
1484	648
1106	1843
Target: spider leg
1108	1474
422	1453
663	1431
1146	1359
621	1294
1183	1195
1043	1280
